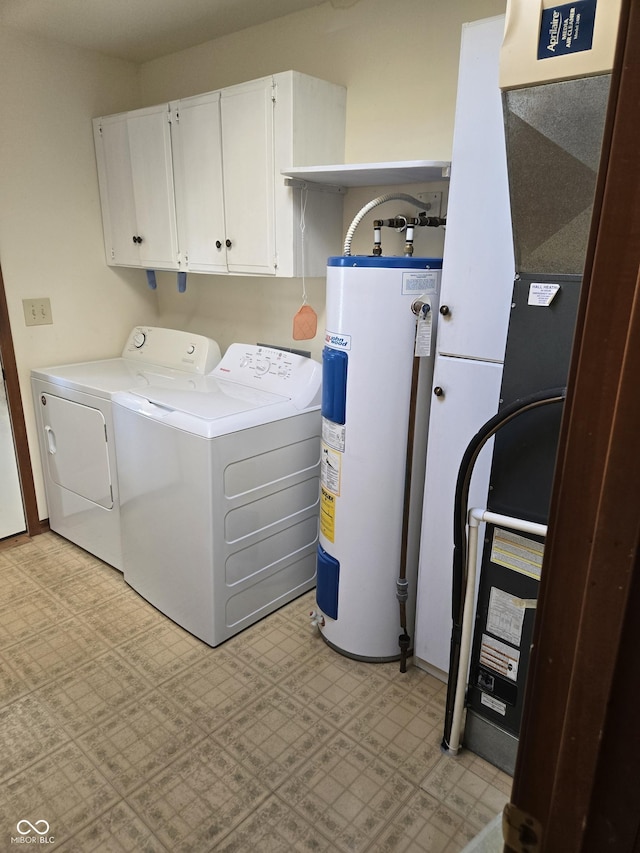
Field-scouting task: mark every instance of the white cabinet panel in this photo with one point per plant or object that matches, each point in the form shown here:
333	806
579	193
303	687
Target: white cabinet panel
197	152
478	264
136	188
470	397
116	191
249	173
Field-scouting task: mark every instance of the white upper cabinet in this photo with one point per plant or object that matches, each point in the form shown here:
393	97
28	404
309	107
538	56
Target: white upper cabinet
135	172
234	212
249	175
197	153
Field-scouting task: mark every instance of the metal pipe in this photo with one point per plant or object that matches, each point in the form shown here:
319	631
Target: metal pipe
374	203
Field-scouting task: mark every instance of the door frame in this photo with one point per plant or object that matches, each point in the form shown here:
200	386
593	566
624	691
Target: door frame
18	425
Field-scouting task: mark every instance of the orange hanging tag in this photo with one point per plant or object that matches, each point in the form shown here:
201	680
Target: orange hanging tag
305	324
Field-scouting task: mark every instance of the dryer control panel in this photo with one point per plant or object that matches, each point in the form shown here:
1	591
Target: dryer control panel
172	348
277	371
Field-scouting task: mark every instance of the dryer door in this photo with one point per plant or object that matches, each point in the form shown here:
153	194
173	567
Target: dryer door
75	439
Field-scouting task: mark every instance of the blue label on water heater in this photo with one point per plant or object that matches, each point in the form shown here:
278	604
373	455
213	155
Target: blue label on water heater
567	28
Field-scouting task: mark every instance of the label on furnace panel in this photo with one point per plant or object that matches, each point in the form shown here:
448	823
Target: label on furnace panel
499	657
505	616
518	553
493	703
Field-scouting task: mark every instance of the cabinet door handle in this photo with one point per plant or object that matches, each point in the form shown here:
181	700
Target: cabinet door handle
438	391
445	310
227	243
218	244
137	239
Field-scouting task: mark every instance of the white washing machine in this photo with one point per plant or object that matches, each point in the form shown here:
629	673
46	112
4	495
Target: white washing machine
75	428
219	490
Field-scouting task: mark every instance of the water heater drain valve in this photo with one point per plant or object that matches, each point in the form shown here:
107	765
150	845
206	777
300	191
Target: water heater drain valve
317	619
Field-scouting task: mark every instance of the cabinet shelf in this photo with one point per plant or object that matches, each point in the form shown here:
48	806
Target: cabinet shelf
372	174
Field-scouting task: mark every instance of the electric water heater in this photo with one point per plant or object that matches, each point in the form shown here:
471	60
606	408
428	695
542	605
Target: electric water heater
377	367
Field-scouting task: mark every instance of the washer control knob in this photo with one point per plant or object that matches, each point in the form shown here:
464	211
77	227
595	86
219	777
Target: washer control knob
138	339
191	349
262	366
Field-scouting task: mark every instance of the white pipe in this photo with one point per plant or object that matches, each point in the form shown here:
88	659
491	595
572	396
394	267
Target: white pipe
476	517
507	521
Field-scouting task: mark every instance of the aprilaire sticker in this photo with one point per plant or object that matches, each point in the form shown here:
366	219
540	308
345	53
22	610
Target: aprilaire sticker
566	28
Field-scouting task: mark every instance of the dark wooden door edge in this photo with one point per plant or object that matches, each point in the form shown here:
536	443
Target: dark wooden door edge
584	615
16	414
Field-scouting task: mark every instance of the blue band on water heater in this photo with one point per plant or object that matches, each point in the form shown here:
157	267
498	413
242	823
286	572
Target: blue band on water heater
334	385
385	262
327	582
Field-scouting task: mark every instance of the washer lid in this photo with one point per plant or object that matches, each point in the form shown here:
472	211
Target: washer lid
215	399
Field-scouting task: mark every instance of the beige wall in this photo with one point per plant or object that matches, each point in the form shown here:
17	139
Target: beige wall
399	63
398	60
50	225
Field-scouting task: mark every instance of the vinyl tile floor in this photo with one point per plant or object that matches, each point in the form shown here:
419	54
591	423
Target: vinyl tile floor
119	731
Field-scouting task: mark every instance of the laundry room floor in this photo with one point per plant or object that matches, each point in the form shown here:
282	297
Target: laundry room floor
122	732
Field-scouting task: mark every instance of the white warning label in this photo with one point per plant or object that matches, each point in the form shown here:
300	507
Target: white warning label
542	294
499	657
424	329
506	616
334	434
517	552
330	469
420	281
493	703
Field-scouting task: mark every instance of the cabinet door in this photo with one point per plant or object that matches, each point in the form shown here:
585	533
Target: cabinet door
116	190
135	171
471	392
149	133
478	266
197	157
249	171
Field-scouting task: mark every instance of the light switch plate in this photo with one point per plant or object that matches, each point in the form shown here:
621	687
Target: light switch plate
37	312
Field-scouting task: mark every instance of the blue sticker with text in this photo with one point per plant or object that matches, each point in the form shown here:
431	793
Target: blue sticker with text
567	28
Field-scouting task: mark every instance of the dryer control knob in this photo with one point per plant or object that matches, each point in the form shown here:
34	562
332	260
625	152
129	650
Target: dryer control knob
191	349
138	339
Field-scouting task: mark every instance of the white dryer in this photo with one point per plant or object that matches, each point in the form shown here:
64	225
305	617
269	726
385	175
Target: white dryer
219	490
75	428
